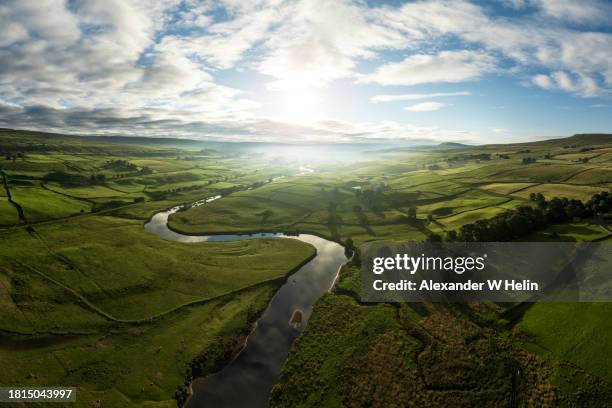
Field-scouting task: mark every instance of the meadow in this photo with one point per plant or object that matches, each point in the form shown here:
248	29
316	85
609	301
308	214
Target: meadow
88	297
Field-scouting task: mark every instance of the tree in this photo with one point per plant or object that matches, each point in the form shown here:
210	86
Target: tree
451	235
349	247
528	160
433	237
517	223
556	210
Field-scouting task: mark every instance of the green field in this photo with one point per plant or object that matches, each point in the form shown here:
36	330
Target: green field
40	205
579	342
549	191
141	365
88	297
506	188
8	213
574	231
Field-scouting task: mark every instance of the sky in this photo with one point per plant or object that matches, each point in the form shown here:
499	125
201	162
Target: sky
320	71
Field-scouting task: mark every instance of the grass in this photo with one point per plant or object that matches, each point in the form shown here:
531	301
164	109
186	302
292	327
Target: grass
131	366
401	355
132	274
505	188
593	176
543	173
456	221
39	204
8	213
549	191
576	332
576	232
97	302
338	331
468	201
91	299
125	273
237	213
87	192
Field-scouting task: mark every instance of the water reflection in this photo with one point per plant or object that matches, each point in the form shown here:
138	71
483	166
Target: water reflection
248	379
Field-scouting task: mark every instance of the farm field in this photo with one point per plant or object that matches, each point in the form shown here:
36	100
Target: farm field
574	231
578	192
8	214
90	298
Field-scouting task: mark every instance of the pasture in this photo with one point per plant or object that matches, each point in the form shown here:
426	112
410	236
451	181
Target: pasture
89	298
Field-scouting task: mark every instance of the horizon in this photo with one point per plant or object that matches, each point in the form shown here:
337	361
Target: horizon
430	71
384	144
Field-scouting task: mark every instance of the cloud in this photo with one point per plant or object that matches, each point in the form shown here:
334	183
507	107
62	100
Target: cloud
535	39
543	81
411	97
425	107
224	43
576	11
599	106
446	66
187	66
321	41
579	84
500	130
160	122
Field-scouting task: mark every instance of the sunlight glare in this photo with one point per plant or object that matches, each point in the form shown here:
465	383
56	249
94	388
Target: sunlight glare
299	103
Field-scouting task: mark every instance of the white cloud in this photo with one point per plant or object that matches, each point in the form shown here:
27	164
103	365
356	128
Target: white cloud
163	61
599	106
543	81
411	97
446	66
225	43
576	11
539	39
320	41
578	84
426	107
500	130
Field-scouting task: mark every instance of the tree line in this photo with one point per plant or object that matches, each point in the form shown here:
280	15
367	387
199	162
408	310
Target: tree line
524	220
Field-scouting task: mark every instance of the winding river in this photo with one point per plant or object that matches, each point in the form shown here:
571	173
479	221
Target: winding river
248	379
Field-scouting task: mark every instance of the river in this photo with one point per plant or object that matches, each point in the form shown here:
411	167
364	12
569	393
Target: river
248	379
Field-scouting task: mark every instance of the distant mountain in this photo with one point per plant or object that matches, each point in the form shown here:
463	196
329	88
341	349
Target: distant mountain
590	138
452	145
440	146
233	147
581	139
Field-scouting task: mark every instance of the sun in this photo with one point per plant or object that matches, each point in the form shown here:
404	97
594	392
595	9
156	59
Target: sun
298	104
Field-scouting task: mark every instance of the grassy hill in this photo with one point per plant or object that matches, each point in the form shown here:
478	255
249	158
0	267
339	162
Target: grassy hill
89	298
